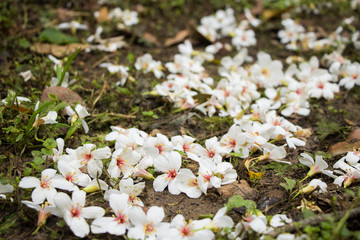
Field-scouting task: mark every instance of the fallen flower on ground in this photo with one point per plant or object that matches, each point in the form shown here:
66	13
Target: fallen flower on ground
74	212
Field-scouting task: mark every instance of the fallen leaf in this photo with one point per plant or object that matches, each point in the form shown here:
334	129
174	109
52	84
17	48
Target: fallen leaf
151	38
271	13
57	50
241	188
253	175
53	35
65	15
179	37
349	122
62	93
352	142
103	15
258	8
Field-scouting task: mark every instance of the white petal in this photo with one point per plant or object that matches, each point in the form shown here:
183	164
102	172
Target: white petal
92	212
78	197
160	183
155	214
79	227
38	195
49	172
63	201
29	182
119	202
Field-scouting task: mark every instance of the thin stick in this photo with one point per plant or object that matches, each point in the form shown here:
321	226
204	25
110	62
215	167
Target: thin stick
315	220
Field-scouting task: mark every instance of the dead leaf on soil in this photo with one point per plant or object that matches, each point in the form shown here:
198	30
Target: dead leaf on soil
151	38
103	15
241	188
352	142
57	50
253	175
62	93
64	14
271	13
179	37
258	8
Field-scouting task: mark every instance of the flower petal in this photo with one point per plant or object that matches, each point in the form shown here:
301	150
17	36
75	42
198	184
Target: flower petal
29	182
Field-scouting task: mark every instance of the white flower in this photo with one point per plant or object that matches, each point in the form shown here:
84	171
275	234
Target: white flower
27	75
313	185
123	161
80	112
187	183
352	76
279	220
220	220
180	229
156	146
74	212
117	224
146	226
73	174
170	168
318	166
45	188
91	159
122	70
6	188
127	186
43	211
73	25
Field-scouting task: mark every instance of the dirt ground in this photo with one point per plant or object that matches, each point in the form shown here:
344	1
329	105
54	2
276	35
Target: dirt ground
162	22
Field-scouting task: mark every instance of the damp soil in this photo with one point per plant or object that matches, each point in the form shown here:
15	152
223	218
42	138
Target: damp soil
164	23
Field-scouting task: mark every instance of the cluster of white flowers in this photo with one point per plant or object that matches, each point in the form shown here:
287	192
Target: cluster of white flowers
135	151
223	23
123	70
125	18
240	89
147	64
295	36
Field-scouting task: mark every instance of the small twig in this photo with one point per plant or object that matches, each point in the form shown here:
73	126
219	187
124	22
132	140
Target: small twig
103	59
100	95
315	220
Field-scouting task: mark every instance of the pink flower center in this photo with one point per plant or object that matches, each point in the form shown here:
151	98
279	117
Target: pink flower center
320	85
75	212
232	142
171	174
45	183
160	147
193	182
186	147
186	231
210	153
120	162
87	157
69	177
149	228
206	177
121	218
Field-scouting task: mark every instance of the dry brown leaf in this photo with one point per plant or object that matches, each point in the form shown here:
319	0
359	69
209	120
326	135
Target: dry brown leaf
258	8
271	13
179	37
349	122
352	142
151	38
241	188
62	93
65	15
57	50
253	175
103	15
